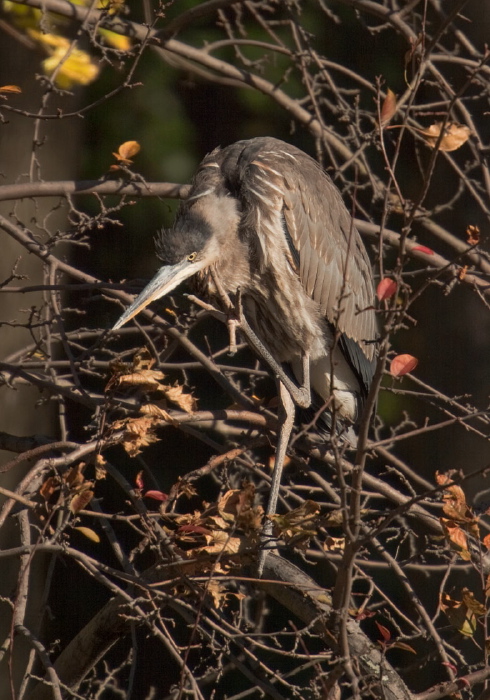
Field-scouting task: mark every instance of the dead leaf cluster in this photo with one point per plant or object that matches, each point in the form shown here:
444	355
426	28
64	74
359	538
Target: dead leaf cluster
299	525
229	526
140	375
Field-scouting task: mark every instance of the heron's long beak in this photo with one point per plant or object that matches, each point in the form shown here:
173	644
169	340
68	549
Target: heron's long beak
166	279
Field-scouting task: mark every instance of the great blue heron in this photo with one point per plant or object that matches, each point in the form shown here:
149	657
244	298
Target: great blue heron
264	221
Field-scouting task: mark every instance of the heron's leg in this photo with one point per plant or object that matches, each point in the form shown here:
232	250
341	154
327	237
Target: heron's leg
286	421
301	395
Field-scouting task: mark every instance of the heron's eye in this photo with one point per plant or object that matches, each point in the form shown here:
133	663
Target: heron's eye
192	257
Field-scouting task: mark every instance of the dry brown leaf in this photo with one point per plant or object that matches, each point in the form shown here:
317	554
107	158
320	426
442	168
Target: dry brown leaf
455	135
147	379
217	592
138	433
334	544
100	470
457	538
74	477
49	487
472	603
80	500
177	395
237	506
335	518
216	522
458	614
299	525
220	543
156	410
143	359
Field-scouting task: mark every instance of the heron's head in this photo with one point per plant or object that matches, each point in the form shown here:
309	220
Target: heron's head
193	244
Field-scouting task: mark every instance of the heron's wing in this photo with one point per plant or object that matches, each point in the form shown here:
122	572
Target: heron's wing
334	266
323	245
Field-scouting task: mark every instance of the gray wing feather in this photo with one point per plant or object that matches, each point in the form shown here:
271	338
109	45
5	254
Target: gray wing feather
334	266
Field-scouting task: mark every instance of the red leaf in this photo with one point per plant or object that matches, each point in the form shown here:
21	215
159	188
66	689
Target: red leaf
386	288
451	666
194	528
385	632
423	249
156	495
139	481
401	364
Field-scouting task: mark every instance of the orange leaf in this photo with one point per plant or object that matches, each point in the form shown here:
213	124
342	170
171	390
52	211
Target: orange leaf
402	364
457	538
10	90
126	151
386	288
49	487
388	108
473	235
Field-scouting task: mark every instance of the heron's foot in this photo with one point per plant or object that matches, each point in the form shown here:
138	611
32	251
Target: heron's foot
232	324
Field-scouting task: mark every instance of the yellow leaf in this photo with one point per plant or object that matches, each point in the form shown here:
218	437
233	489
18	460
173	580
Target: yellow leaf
71	67
89	533
117	41
458	614
22	16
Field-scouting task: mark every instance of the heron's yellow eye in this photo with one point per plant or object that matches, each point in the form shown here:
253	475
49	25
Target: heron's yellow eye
192	257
